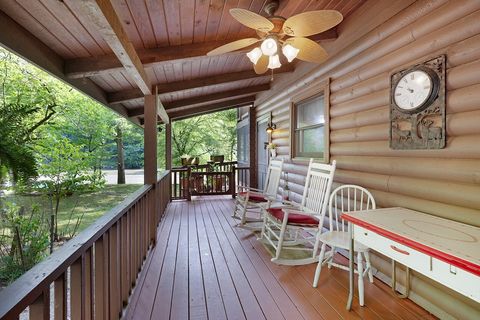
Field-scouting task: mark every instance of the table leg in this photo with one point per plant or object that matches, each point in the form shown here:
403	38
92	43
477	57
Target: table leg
351	267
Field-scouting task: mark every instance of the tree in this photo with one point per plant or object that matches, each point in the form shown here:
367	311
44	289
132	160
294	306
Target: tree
63	167
28	100
120	154
205	135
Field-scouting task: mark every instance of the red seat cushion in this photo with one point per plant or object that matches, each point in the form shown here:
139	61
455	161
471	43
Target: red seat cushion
254	197
297	218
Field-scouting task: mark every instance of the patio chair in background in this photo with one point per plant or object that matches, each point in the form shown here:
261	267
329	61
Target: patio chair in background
251	200
345	198
296	227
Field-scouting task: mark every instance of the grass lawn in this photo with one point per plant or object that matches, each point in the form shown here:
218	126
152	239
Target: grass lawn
92	205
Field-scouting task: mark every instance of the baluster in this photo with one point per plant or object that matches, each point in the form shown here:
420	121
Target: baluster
60	297
113	271
88	285
101	278
77	289
40	308
125	259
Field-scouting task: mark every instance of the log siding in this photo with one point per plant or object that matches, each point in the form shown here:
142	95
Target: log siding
369	48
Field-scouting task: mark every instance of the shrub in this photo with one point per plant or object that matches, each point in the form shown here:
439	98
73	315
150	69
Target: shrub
24	240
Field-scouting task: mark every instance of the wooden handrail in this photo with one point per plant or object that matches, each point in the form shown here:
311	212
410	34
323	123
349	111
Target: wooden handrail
32	288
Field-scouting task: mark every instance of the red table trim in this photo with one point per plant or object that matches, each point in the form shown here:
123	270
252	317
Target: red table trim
454	261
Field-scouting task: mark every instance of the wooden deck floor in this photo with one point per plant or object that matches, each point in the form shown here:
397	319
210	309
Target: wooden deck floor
205	268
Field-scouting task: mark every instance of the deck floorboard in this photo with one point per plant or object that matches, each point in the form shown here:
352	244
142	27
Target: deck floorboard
203	267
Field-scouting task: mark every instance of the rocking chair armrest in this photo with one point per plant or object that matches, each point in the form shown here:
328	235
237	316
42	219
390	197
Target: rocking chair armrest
298	209
287	203
248	189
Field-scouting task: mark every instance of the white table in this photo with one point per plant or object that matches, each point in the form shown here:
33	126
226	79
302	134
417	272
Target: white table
443	250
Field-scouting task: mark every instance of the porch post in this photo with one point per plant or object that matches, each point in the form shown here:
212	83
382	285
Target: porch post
168	146
150	160
252	118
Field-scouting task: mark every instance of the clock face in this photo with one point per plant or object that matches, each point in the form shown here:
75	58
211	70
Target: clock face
413	90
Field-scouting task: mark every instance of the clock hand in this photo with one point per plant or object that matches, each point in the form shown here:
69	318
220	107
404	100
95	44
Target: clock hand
410	90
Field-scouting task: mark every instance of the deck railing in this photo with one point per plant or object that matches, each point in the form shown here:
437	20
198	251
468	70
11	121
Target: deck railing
220	179
92	275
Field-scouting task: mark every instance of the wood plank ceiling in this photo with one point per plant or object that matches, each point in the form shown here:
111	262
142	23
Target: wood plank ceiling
171	38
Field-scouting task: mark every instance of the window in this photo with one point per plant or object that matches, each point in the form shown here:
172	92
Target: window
309	133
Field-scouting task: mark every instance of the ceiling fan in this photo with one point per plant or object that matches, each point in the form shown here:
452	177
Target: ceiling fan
275	32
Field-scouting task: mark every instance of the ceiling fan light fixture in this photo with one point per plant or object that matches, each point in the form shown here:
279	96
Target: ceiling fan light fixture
290	52
254	55
269	46
274	62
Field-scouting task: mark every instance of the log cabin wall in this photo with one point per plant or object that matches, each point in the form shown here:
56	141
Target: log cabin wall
383	36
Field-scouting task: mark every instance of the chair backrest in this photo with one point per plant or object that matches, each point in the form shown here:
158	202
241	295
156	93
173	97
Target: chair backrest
317	187
273	177
348	198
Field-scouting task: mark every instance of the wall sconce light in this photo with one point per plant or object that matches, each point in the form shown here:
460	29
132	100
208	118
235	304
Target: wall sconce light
270	127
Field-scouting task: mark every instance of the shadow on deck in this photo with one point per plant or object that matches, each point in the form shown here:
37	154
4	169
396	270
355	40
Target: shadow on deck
205	268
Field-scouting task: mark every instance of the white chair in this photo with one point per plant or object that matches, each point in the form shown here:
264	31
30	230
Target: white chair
297	226
252	201
345	198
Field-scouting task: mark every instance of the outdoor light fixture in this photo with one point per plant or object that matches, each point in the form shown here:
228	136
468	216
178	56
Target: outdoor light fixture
274	62
254	55
269	46
290	52
276	33
270	127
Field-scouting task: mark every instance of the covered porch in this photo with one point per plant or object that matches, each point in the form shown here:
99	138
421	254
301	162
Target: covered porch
155	256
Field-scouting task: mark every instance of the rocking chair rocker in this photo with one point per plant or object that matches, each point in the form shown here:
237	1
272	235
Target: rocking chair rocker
253	201
297	227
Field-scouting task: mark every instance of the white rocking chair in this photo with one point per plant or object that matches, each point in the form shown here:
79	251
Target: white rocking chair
252	201
345	198
297	227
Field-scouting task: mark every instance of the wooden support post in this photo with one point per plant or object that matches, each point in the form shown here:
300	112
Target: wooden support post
150	159
233	182
188	177
168	146
252	116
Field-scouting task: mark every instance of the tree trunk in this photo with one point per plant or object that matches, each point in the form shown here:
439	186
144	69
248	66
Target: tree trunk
120	156
52	223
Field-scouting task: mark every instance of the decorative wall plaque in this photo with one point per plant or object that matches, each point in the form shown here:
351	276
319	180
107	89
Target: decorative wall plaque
417	106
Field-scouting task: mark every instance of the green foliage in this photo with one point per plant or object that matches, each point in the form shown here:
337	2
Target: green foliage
23	242
27	101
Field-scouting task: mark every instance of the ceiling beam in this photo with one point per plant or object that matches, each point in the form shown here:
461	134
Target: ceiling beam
135	94
209	108
217	96
210	98
87	67
102	14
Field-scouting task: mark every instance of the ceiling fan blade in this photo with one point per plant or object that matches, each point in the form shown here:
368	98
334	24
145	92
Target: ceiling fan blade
251	19
262	65
232	46
309	50
312	22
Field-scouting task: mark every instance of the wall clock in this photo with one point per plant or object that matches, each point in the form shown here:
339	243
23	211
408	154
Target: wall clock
417	106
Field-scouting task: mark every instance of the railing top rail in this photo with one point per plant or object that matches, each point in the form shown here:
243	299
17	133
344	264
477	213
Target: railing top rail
23	292
206	165
212	173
